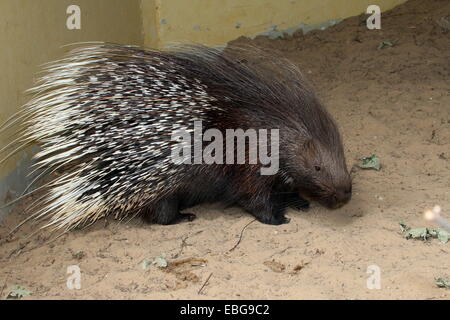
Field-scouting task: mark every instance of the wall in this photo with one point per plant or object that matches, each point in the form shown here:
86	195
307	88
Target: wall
31	33
150	23
214	22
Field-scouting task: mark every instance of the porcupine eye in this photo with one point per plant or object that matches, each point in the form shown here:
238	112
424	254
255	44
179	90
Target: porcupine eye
318	168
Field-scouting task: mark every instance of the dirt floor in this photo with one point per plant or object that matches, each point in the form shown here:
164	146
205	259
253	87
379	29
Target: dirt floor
392	101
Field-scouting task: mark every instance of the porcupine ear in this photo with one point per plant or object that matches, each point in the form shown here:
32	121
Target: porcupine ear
309	149
308	145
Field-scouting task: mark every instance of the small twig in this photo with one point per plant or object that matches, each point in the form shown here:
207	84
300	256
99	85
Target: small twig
280	252
184	243
21	247
242	233
205	283
18	250
4	286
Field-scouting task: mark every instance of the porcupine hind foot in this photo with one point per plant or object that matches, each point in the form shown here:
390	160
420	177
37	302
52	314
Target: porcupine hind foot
166	212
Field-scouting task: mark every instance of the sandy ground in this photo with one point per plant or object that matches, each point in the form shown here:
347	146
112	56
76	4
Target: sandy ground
393	102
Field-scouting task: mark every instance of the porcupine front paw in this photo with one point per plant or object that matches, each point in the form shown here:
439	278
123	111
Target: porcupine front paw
265	211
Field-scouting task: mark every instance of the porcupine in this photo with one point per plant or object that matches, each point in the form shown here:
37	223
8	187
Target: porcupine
104	115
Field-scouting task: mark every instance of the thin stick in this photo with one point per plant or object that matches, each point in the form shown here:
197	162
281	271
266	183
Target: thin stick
205	283
242	233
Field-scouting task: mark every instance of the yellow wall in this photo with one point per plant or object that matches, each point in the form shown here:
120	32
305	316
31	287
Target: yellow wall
150	23
32	32
215	22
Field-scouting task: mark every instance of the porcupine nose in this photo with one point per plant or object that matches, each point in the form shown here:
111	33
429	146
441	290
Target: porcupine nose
342	196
